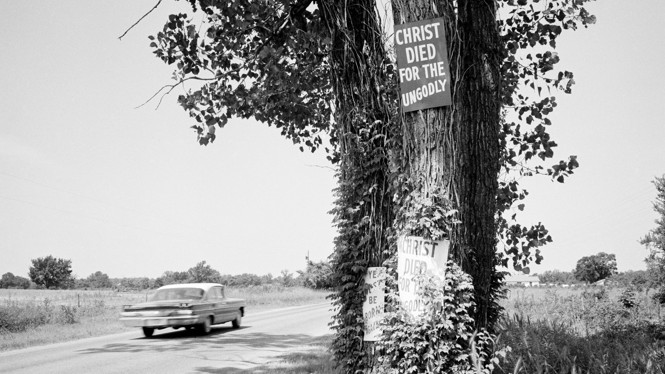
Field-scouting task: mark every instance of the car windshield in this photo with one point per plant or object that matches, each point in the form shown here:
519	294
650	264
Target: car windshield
185	293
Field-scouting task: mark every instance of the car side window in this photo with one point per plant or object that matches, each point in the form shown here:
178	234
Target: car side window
216	293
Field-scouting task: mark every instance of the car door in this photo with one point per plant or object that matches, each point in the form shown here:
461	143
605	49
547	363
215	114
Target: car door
216	303
230	310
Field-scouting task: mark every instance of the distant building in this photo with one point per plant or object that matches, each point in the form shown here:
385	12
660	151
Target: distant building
522	280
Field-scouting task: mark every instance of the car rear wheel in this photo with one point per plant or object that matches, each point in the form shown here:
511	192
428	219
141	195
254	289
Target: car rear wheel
148	331
205	327
238	321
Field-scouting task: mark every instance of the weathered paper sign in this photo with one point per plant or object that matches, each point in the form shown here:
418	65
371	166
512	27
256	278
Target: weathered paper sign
417	256
374	305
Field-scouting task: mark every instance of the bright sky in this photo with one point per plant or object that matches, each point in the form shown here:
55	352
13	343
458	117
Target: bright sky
85	176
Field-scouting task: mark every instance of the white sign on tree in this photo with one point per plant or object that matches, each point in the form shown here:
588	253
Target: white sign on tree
374	305
417	256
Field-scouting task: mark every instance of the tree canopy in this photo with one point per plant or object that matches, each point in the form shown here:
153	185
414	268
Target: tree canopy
654	240
596	267
51	272
255	59
202	273
98	280
272	61
10	280
317	275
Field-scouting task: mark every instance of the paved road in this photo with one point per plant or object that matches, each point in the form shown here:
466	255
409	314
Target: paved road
265	337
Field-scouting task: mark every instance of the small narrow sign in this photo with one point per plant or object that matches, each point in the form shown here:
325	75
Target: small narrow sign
375	304
422	64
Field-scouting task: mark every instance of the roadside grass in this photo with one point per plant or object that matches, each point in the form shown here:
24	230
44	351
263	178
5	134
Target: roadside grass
587	330
315	357
36	317
271	296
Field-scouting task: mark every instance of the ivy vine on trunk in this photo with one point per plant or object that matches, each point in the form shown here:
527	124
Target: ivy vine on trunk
365	95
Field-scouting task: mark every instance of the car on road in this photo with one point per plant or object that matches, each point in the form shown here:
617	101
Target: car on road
189	305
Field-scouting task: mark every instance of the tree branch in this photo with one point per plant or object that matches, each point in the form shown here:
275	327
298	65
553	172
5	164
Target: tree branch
170	88
140	19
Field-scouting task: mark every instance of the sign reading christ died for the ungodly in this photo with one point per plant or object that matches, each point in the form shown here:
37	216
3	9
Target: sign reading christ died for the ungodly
422	64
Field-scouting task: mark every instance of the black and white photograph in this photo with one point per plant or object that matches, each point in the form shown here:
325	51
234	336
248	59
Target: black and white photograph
332	186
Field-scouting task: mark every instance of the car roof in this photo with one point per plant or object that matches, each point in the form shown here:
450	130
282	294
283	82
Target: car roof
204	286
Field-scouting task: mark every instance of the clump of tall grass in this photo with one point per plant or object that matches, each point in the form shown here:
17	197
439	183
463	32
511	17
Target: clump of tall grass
17	317
590	331
553	347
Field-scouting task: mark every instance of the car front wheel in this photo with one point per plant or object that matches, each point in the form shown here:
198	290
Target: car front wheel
147	331
238	321
205	327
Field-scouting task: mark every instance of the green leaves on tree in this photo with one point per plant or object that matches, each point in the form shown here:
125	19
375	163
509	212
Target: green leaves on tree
530	79
251	59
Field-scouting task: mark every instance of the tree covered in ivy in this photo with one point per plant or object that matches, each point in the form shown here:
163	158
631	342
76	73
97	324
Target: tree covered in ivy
320	71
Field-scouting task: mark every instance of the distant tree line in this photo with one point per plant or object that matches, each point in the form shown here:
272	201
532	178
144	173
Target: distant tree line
10	280
638	280
589	269
557	277
56	273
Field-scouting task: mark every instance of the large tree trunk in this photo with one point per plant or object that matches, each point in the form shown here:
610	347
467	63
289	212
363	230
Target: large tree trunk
364	208
454	151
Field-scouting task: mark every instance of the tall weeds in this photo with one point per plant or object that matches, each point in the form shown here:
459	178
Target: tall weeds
583	331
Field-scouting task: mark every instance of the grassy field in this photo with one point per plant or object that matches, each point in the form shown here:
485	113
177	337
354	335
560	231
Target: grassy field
37	317
587	330
549	330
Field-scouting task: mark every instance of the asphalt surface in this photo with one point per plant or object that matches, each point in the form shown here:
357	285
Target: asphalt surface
265	337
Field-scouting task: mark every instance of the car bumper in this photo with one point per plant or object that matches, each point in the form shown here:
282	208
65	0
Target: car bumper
160	322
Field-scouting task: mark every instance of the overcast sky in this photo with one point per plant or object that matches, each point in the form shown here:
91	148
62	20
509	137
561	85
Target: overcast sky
85	176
